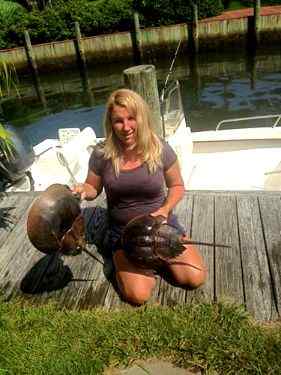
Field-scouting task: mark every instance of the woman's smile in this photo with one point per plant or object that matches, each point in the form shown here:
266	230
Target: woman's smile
124	125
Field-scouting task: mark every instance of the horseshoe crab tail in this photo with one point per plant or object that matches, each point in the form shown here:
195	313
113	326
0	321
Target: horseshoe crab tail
191	242
93	256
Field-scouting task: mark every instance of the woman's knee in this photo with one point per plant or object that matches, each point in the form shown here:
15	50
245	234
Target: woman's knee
191	279
137	292
137	297
188	269
135	284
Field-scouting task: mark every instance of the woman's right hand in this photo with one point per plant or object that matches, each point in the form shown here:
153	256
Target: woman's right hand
85	190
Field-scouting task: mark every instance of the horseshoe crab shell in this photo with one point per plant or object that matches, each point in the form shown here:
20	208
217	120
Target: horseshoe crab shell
55	223
150	242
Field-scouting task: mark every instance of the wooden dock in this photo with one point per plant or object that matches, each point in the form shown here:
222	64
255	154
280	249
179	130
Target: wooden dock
248	273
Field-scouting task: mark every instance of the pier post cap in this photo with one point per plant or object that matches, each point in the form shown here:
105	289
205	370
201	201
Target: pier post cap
139	68
142	79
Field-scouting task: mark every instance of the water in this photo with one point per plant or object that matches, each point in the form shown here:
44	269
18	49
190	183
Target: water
213	88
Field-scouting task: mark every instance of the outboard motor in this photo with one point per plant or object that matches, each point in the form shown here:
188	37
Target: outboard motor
14	168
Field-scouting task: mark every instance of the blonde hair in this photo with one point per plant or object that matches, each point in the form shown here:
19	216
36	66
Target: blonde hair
148	145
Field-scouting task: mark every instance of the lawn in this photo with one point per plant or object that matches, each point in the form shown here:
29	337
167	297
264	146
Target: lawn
217	338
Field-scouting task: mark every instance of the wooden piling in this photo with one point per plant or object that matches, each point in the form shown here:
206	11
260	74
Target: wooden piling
194	73
193	30
257	9
251	68
29	54
82	65
81	59
142	79
34	69
136	40
254	28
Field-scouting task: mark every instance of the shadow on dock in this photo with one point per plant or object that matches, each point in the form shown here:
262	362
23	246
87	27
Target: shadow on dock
47	275
52	272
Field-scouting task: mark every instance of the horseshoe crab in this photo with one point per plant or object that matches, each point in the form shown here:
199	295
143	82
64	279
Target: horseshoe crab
150	241
55	223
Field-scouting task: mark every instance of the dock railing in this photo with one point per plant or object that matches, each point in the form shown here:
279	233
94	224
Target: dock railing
171	107
278	116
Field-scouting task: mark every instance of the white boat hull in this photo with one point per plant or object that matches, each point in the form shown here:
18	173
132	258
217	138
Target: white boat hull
240	159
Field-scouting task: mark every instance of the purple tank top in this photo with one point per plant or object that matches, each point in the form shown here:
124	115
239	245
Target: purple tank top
134	192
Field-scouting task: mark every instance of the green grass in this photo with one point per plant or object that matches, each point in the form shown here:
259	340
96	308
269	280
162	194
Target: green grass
49	340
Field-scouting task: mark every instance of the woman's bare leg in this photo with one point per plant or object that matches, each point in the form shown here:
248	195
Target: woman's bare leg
136	284
188	268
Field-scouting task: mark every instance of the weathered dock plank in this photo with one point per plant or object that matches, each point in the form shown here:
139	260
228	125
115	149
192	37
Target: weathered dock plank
171	294
155	297
79	281
89	284
203	230
249	272
228	272
112	299
259	296
12	208
16	252
270	208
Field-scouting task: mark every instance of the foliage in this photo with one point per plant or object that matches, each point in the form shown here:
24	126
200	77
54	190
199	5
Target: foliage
110	12
234	4
55	21
165	12
214	338
11	17
9	12
250	3
6	143
8	79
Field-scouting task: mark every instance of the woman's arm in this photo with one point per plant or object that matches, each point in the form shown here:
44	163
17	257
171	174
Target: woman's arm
175	187
91	188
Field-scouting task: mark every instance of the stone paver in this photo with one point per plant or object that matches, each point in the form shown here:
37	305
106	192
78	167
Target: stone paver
152	367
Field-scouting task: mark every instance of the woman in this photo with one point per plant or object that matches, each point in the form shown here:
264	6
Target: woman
133	165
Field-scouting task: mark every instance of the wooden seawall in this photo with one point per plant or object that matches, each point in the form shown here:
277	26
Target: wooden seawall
248	273
216	33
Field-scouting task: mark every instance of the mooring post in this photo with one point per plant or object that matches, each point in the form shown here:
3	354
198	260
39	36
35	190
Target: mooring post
136	39
194	29
81	61
34	69
257	8
142	79
194	73
29	54
79	48
251	67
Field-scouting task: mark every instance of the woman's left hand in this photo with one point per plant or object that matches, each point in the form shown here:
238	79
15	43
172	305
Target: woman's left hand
162	211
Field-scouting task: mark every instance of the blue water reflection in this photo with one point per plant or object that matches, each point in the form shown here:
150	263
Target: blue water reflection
216	88
48	126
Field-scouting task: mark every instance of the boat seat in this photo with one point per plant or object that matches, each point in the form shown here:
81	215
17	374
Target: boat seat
65	163
74	154
44	146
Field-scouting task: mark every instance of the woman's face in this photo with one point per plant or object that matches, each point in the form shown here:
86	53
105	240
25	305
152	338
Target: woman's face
124	126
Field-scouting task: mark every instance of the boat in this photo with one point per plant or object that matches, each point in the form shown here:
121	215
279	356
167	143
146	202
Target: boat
62	160
245	158
235	159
